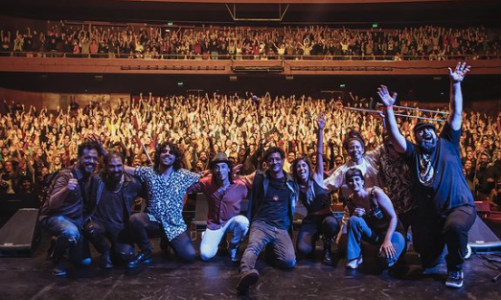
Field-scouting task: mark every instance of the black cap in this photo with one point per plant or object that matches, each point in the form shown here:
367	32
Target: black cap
422	125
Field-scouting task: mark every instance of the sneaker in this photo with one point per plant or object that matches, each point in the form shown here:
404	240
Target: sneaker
234	255
58	268
354	263
247	279
454	279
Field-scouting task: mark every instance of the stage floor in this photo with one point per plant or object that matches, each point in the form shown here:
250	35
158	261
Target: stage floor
167	278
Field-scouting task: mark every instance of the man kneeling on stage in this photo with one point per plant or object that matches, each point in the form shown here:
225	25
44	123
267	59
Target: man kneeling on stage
224	197
62	214
446	206
111	197
272	203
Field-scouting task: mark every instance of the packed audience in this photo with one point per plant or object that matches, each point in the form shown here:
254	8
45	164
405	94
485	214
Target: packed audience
208	42
35	143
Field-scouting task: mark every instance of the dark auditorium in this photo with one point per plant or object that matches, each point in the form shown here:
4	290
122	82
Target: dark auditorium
250	149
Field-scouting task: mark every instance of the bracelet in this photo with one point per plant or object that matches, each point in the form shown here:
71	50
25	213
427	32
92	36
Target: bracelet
388	107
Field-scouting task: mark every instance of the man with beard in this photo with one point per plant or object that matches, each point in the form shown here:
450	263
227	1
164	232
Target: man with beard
111	197
167	184
62	214
224	196
446	206
271	207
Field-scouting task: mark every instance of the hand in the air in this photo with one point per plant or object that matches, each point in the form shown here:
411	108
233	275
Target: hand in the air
384	94
459	72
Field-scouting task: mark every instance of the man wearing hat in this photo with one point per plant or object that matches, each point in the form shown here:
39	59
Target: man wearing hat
224	197
446	206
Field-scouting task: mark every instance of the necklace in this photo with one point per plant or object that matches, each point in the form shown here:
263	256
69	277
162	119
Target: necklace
118	188
426	169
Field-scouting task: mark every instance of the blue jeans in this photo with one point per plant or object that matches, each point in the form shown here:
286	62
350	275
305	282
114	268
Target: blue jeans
262	234
359	231
67	235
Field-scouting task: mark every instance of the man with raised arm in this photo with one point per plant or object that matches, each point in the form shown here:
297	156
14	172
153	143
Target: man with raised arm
446	206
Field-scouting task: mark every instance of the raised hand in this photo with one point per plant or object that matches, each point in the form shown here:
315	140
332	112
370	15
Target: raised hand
459	72
321	121
384	94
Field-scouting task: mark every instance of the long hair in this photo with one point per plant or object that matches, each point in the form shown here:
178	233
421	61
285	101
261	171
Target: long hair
174	150
296	162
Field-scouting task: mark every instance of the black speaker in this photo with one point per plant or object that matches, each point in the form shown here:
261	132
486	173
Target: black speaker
20	235
482	240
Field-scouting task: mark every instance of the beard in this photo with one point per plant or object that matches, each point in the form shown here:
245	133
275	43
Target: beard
113	179
428	145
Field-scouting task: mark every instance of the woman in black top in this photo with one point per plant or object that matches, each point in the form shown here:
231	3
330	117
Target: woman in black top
316	200
372	219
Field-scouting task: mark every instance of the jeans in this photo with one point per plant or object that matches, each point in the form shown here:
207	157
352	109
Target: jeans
451	230
238	225
262	234
140	225
312	226
359	231
68	236
100	234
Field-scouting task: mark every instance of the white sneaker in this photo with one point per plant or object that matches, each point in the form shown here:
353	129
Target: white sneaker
354	263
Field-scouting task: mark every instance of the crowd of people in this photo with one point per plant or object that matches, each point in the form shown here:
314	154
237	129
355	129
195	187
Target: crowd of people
277	152
211	42
35	143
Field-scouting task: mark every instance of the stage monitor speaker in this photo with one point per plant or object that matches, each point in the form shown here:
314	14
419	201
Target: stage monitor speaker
482	240
20	235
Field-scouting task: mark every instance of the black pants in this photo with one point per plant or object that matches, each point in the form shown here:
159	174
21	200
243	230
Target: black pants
411	219
101	234
311	227
451	230
140	225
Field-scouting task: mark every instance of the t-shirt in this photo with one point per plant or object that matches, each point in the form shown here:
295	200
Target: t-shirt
111	208
275	207
447	188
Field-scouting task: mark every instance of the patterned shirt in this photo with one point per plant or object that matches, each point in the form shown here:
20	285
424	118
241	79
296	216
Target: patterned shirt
397	179
165	197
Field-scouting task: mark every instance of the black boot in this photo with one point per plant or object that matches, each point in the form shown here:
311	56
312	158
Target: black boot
60	246
327	257
141	258
105	261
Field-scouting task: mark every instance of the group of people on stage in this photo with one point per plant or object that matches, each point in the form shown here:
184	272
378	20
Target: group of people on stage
387	190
